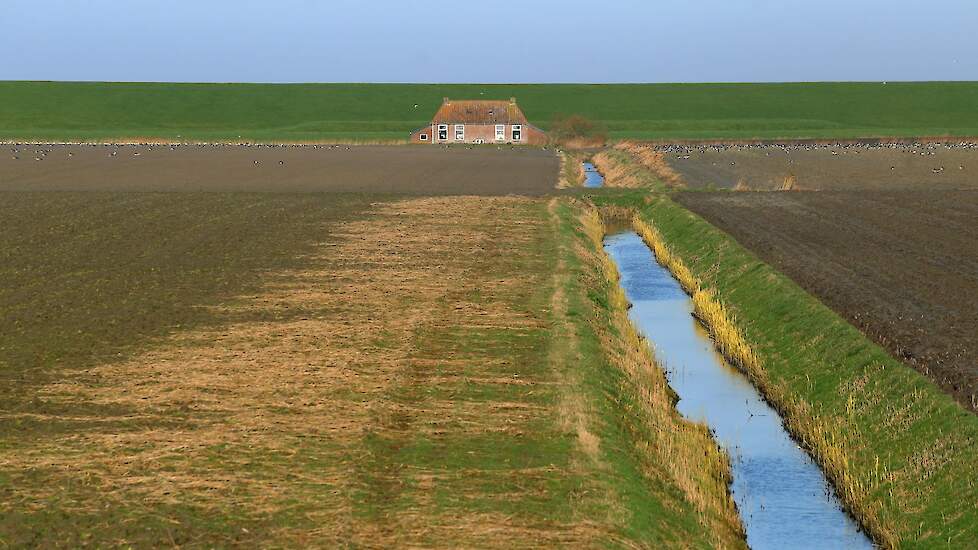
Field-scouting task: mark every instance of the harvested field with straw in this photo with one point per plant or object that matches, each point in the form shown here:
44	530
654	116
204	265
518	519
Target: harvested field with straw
901	266
261	369
419	170
817	167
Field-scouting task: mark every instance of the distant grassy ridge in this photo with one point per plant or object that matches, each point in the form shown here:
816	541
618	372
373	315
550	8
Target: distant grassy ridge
78	111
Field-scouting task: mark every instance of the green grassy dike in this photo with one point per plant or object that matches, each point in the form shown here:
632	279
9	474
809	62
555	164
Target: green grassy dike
100	111
904	450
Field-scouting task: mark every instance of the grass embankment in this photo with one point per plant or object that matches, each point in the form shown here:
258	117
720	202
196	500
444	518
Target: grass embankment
621	170
571	170
900	452
293	370
52	111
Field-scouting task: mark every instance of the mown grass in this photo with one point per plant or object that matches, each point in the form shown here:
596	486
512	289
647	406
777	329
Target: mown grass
899	450
383	112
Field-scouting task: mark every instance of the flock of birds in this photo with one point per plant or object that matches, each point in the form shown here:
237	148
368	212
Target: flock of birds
41	152
686	151
679	151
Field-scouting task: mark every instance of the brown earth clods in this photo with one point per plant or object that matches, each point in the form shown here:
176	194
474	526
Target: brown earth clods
902	266
422	170
821	167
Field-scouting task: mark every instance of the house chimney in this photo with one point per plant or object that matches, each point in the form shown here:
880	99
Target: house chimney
445	101
512	100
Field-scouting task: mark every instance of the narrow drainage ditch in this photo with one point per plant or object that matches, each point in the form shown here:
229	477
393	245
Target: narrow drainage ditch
782	495
592	178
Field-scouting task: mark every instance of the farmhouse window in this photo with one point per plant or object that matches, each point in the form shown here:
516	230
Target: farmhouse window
424	137
459	132
517	132
443	132
500	132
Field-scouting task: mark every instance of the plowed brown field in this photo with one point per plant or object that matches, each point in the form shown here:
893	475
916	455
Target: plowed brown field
848	167
901	266
423	170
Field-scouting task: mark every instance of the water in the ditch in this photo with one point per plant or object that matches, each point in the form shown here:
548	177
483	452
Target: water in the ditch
783	497
592	178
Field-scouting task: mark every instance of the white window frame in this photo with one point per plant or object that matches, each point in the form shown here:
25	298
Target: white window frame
459	132
424	137
500	132
517	132
442	128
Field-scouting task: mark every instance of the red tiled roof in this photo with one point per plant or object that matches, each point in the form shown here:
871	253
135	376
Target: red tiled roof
479	112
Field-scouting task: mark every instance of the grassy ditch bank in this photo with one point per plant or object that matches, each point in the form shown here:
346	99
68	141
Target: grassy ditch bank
637	431
898	450
571	170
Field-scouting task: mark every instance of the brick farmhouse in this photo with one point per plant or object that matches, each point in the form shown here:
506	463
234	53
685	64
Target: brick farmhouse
479	121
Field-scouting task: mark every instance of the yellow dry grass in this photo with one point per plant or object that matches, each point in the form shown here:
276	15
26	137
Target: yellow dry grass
273	407
653	161
571	171
790	183
617	174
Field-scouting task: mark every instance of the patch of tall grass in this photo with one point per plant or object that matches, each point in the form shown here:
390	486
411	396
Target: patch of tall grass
790	183
654	161
618	173
571	170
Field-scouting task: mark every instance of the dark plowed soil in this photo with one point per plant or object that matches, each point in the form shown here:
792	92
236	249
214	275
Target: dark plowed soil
819	167
419	170
901	266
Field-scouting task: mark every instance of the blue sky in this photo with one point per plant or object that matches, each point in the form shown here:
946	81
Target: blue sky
494	41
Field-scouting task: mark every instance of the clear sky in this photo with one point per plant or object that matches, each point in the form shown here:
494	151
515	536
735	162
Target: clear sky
490	41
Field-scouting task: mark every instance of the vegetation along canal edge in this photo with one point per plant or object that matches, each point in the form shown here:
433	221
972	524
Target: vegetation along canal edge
824	376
